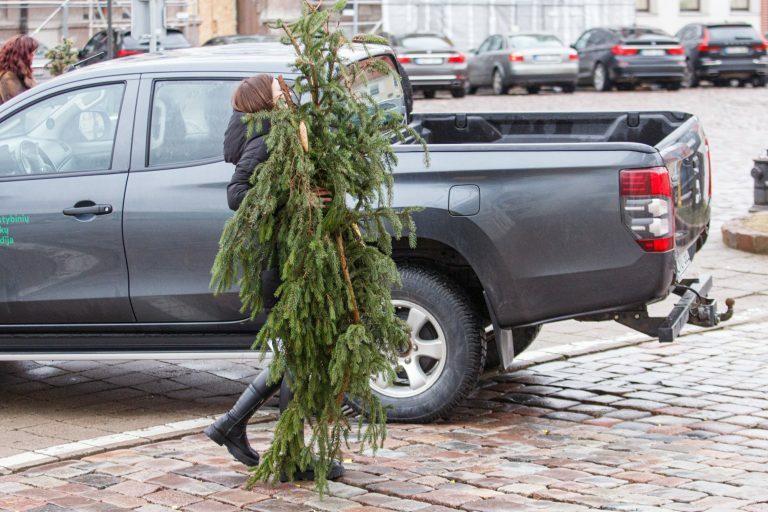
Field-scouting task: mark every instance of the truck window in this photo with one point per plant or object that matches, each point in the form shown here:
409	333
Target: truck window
386	89
189	118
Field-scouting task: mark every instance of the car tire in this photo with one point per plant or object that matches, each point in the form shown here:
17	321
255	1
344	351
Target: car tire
600	79
533	89
459	93
429	94
472	89
521	338
498	85
760	81
449	321
569	88
673	86
690	81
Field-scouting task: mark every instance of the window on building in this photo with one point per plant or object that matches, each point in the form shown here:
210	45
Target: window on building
690	5
643	5
739	5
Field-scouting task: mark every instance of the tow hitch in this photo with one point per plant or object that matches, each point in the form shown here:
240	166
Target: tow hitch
694	307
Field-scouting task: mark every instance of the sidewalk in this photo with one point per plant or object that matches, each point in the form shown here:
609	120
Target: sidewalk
679	427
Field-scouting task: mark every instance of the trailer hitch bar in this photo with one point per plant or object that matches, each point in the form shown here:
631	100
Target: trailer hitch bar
694	307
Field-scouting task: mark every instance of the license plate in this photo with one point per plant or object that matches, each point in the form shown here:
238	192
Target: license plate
429	61
547	58
682	262
736	50
653	53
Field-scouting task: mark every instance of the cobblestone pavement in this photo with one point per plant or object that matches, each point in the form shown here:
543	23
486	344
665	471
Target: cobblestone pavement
49	403
680	427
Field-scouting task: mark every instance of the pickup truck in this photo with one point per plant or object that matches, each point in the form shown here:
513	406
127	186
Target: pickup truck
112	200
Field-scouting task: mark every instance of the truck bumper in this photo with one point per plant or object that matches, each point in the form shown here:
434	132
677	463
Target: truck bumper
693	308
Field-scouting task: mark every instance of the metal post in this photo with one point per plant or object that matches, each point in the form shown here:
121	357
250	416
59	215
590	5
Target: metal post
153	23
65	20
355	18
110	33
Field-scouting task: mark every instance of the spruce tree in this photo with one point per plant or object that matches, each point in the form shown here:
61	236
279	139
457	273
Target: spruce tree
333	326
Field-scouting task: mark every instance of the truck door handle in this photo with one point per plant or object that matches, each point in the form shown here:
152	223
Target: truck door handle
92	209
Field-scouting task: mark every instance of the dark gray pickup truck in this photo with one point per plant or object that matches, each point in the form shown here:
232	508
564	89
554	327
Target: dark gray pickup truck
112	200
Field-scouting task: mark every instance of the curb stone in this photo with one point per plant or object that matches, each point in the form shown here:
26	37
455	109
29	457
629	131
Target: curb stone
748	233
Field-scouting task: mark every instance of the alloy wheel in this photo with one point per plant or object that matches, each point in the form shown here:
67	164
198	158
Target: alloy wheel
421	364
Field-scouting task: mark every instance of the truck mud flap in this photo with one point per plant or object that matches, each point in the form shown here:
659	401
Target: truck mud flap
694	307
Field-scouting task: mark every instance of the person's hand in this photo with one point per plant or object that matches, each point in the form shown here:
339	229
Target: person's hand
324	195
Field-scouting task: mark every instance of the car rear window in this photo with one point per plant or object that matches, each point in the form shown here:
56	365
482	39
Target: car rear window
425	43
170	40
535	41
727	33
641	31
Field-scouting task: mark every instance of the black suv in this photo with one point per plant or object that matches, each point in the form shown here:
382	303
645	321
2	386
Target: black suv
126	45
628	56
721	52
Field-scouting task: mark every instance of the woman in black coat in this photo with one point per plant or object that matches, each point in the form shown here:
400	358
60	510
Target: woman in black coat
255	94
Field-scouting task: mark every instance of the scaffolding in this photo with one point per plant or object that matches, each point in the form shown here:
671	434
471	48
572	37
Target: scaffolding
90	16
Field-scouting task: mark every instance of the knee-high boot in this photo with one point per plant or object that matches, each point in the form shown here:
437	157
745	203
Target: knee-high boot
230	429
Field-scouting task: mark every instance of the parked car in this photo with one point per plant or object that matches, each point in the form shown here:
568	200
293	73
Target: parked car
527	60
114	197
240	39
721	52
432	63
627	56
126	44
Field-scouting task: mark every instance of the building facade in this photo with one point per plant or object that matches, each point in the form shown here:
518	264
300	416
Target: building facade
671	15
469	22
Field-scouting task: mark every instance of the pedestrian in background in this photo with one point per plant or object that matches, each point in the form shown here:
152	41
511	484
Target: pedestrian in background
16	66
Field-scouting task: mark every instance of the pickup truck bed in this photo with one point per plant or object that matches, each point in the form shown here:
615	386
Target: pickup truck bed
547	240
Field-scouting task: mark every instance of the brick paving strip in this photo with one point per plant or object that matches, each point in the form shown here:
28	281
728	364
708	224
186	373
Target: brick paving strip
678	427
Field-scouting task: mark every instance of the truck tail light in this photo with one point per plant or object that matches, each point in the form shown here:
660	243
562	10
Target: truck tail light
647	207
675	50
457	59
623	51
516	57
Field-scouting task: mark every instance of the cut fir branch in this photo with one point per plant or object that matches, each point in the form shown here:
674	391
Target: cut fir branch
334	319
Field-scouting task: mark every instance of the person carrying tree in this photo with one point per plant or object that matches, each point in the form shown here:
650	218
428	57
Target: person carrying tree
255	94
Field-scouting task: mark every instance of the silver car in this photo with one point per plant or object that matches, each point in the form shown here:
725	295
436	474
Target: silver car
432	63
527	60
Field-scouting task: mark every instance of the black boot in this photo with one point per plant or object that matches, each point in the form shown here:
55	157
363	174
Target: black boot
229	430
336	471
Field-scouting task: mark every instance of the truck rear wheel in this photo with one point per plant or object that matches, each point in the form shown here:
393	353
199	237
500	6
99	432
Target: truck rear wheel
445	359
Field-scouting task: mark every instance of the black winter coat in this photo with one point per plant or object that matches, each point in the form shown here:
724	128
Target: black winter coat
245	153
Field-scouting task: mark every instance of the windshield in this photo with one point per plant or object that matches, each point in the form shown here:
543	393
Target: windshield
535	41
734	32
425	43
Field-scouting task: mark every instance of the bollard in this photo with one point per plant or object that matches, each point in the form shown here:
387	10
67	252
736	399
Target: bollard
760	174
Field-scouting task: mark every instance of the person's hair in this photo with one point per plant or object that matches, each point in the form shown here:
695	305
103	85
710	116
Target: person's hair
15	55
254	94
